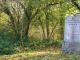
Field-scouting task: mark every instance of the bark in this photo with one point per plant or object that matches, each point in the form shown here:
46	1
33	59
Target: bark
47	26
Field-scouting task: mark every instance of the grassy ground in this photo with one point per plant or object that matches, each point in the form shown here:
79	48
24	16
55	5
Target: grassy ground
40	55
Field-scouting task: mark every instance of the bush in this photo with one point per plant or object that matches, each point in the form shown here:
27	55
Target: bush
39	44
8	46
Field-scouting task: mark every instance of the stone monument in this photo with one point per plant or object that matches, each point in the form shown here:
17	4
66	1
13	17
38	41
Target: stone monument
72	34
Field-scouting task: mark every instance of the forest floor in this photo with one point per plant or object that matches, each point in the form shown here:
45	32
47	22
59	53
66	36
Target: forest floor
40	55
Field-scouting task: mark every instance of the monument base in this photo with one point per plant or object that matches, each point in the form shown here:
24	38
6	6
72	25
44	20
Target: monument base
71	47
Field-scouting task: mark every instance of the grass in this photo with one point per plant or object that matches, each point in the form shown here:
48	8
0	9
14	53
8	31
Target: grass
36	55
40	55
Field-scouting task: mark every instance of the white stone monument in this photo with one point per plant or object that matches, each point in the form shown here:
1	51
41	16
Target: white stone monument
72	34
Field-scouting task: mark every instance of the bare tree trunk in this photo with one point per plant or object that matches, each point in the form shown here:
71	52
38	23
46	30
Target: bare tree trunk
53	28
47	26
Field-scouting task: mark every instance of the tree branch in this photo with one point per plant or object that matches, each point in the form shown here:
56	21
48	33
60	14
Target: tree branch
48	5
75	4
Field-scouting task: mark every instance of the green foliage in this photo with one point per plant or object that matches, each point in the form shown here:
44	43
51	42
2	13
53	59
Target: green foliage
35	44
